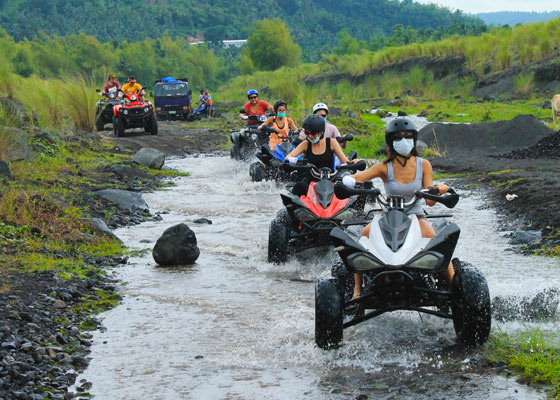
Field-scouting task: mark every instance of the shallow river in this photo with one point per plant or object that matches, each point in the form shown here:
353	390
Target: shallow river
233	326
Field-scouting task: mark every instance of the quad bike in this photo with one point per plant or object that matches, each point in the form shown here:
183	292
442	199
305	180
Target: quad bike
134	112
201	112
270	164
306	221
104	107
246	141
401	270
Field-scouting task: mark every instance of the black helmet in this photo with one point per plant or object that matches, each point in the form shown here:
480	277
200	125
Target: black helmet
314	123
400	124
278	104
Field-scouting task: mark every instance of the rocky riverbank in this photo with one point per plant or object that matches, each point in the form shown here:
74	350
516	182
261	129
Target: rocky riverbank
46	316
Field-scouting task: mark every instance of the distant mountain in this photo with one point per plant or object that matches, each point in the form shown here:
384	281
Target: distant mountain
313	23
513	18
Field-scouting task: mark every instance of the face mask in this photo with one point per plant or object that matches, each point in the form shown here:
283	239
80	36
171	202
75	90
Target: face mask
316	140
404	146
281	115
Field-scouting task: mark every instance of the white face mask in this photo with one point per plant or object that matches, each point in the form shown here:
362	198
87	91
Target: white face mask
316	140
404	146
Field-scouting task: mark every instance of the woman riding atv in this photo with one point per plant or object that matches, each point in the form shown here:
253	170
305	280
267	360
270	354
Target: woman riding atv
403	172
280	123
318	150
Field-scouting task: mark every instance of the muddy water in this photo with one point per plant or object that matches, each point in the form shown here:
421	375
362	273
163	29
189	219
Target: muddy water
233	326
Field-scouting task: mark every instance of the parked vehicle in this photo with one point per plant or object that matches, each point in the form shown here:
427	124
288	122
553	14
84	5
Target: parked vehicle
134	112
201	112
172	98
104	107
401	271
306	221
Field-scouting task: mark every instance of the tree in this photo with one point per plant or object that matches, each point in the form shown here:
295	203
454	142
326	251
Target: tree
271	46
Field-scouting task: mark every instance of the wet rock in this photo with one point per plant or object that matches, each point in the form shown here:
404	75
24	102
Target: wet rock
402	113
124	199
5	170
547	104
525	237
98	226
151	158
176	246
202	221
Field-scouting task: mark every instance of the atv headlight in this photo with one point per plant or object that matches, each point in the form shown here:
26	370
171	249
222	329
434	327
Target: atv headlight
146	109
304	215
364	262
346	214
428	261
125	112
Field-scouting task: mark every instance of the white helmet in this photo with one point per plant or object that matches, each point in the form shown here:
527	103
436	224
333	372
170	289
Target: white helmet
320	106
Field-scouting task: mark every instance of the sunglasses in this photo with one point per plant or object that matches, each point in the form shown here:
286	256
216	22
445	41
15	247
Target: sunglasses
323	115
405	135
253	97
310	133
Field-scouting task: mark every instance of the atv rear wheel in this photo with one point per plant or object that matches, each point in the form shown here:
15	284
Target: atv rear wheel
99	124
151	125
470	304
328	315
118	127
256	170
278	237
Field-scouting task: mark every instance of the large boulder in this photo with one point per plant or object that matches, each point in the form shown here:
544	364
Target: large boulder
151	158
124	199
18	144
16	112
176	246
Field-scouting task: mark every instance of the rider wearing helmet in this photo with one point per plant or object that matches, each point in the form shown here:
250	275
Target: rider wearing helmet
331	131
403	172
254	106
280	123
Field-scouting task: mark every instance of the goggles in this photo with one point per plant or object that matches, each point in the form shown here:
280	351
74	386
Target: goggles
404	135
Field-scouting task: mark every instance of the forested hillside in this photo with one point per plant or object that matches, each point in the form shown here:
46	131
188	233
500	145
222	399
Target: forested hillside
314	24
512	18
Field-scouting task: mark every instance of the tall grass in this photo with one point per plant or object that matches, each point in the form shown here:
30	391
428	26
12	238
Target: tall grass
524	84
80	107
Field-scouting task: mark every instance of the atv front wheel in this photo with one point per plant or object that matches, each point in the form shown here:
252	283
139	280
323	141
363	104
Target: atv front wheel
470	304
344	281
256	170
328	315
118	127
99	124
278	237
151	125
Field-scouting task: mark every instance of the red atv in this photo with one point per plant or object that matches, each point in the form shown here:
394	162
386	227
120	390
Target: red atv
306	221
134	112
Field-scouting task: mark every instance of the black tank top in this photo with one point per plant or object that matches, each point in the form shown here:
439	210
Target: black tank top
321	160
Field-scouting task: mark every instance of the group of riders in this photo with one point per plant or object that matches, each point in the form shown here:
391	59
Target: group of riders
133	87
403	171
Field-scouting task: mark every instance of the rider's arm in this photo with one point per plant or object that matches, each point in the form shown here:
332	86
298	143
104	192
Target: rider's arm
335	147
375	171
427	180
298	150
267	123
243	113
293	126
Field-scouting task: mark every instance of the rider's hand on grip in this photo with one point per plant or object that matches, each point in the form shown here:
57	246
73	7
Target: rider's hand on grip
348	181
244	117
292	160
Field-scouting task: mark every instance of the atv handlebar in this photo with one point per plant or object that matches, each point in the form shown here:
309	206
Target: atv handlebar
326	173
346	138
449	200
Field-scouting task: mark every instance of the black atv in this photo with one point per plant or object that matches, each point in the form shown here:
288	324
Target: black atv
246	141
104	107
401	270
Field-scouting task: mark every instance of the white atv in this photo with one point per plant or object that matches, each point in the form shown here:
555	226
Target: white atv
401	271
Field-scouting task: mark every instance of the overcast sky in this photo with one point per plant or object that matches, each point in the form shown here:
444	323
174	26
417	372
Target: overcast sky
478	6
